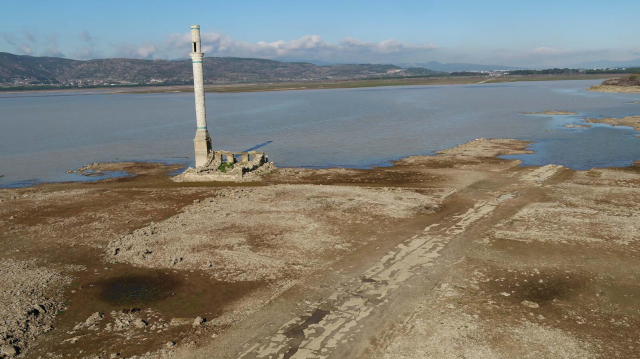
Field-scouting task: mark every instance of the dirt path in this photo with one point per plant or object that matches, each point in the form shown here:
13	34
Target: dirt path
341	324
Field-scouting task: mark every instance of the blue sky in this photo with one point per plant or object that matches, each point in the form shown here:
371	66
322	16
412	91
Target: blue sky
516	33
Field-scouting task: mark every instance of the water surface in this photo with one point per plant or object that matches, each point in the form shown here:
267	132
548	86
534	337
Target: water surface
43	136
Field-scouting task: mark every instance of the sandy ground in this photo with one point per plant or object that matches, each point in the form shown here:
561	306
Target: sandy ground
461	254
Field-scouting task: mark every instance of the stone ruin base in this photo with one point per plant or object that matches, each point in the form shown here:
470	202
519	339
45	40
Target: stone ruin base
224	166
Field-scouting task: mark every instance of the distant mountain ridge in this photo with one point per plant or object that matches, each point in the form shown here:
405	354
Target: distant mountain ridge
609	64
25	70
456	67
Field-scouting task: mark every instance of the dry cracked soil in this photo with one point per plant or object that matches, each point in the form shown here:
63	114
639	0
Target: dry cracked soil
458	255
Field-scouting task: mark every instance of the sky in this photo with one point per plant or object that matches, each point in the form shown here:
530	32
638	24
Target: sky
522	33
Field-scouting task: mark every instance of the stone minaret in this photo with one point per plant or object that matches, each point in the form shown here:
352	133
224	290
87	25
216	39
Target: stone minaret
202	142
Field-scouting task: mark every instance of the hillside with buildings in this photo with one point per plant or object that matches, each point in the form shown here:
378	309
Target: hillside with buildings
17	70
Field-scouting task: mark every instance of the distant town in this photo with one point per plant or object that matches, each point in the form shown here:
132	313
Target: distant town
19	72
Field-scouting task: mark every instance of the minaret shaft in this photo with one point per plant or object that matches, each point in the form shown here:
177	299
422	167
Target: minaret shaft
202	141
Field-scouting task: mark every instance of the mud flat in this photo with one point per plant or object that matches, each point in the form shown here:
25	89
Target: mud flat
457	254
551	113
630	121
576	126
615	89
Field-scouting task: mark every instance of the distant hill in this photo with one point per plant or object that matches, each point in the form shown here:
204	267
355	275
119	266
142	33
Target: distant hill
24	70
315	62
604	64
456	67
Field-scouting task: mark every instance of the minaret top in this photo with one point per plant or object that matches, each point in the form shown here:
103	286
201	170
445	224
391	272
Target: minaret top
195	38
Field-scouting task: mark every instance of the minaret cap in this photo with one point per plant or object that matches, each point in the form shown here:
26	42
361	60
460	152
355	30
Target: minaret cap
195	38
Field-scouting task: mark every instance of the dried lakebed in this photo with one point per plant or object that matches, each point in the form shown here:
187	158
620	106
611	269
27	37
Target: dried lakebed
462	254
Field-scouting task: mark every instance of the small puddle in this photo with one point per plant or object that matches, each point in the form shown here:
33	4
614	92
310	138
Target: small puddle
137	289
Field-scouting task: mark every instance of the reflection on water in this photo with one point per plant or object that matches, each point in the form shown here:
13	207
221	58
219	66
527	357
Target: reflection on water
44	136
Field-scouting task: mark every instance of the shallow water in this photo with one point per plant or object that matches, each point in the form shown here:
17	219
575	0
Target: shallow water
43	136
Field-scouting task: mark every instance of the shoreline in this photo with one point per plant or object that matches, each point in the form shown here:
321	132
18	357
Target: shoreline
115	171
311	85
122	169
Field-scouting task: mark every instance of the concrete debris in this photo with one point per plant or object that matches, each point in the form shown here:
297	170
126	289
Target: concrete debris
223	166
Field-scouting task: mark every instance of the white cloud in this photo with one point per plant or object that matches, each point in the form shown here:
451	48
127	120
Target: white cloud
29	36
22	49
308	47
383	47
51	48
25	49
84	35
545	51
9	38
87	53
147	51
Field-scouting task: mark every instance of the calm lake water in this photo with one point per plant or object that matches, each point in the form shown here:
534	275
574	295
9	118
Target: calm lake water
44	135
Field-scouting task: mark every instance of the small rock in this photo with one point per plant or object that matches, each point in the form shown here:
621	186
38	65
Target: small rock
170	344
8	350
72	340
530	304
197	322
91	321
139	323
505	294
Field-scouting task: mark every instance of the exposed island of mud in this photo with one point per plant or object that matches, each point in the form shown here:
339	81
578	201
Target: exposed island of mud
551	113
629	121
614	89
626	84
460	254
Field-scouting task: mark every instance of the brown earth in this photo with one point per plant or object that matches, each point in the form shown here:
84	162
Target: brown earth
461	254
